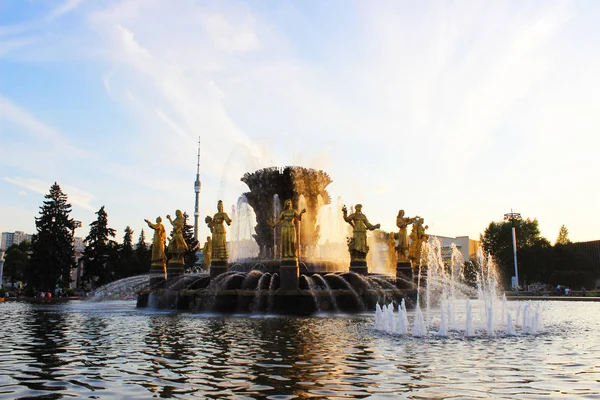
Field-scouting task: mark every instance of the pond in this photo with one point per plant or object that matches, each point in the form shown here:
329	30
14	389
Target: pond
111	349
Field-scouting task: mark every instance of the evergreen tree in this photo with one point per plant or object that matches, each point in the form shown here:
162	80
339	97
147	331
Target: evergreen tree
192	243
126	255
15	262
52	246
100	251
563	236
142	255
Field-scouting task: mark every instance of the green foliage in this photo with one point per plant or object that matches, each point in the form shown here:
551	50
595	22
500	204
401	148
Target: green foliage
497	241
15	262
192	243
538	261
142	255
52	255
126	256
563	236
469	272
99	256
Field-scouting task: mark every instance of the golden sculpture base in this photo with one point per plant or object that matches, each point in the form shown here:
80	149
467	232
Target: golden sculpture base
218	267
359	267
289	274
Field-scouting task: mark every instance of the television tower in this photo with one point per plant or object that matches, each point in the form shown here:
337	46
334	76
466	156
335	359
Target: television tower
197	186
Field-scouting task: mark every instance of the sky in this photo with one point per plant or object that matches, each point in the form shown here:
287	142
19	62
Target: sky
455	111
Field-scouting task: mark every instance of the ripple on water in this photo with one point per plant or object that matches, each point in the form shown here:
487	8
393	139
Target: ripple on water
114	350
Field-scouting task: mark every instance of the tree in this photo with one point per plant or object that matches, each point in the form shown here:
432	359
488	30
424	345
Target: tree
192	243
52	255
563	236
497	241
126	256
15	262
99	251
142	255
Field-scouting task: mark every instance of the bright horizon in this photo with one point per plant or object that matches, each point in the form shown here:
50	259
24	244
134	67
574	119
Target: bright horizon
454	112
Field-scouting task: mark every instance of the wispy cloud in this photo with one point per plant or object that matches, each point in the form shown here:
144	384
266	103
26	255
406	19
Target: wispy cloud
76	196
64	8
14	114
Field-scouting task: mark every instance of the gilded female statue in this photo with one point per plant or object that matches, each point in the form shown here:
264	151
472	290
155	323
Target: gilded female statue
158	241
288	217
177	246
207	250
360	224
402	222
217	228
417	238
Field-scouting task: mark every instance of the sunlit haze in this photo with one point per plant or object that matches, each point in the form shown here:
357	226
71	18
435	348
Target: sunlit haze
456	112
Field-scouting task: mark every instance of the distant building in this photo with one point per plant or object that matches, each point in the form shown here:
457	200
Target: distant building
467	247
16	237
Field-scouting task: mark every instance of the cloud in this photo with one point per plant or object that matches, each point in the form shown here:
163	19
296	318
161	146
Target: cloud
76	196
16	115
64	8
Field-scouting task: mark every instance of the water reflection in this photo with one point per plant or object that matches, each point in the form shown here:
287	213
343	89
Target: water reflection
112	350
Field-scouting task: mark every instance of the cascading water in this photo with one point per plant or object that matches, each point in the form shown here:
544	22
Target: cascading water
323	283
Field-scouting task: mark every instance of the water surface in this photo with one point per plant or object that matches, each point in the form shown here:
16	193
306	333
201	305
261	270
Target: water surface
113	350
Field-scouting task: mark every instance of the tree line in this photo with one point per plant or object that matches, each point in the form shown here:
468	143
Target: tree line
46	263
538	260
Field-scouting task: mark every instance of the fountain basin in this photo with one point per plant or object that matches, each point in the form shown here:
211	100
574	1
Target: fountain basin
291	302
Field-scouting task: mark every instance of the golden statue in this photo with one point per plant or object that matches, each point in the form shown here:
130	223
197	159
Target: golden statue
158	241
177	246
288	217
392	256
402	222
207	250
360	224
417	237
217	228
158	263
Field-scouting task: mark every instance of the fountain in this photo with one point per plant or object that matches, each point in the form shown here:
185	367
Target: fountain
459	309
306	257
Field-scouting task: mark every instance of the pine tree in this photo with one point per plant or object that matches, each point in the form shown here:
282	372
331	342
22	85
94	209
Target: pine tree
563	236
126	258
52	255
142	255
99	251
192	243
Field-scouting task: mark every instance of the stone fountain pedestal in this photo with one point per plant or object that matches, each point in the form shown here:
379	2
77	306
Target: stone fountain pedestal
359	267
157	269
404	275
424	275
175	266
218	267
289	274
